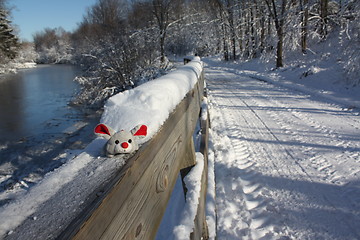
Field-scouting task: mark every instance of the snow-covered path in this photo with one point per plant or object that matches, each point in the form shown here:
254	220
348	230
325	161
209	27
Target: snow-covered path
287	164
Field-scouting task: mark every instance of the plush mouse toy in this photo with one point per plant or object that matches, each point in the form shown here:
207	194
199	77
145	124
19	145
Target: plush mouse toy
120	142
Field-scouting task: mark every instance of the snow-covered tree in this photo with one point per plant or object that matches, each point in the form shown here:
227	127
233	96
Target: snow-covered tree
8	40
278	11
112	51
195	30
26	53
350	37
53	46
165	13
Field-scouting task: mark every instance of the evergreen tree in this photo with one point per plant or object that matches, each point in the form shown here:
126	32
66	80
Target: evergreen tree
8	40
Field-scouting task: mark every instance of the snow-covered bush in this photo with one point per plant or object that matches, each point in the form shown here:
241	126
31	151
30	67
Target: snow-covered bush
113	64
115	53
26	53
107	71
350	37
53	46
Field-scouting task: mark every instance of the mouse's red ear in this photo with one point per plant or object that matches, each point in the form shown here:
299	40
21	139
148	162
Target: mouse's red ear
139	130
103	131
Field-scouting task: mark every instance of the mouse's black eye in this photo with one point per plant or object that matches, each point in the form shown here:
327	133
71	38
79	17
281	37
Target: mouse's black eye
117	142
129	141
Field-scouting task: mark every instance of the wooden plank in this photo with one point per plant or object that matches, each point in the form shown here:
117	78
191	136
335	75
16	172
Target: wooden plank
133	204
148	201
189	158
201	230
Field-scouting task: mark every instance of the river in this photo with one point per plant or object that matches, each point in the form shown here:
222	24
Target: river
29	99
37	124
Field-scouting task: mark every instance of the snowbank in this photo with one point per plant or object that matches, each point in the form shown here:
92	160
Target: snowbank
15	66
193	185
211	194
46	209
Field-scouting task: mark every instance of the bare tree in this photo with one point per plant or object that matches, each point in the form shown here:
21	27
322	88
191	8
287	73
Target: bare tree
108	15
161	10
278	14
226	17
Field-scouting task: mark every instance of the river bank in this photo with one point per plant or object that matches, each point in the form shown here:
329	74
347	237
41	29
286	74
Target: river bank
13	67
39	130
29	159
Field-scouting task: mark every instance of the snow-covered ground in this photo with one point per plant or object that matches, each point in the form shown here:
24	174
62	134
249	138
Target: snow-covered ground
286	151
13	67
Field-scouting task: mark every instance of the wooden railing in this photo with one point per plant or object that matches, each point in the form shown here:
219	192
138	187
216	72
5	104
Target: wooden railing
133	204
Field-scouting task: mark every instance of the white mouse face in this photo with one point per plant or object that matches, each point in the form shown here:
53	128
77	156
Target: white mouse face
121	142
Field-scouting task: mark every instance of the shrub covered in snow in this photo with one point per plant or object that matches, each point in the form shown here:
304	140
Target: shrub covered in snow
350	35
53	46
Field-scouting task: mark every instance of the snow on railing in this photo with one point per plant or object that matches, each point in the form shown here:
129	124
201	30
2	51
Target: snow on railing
152	102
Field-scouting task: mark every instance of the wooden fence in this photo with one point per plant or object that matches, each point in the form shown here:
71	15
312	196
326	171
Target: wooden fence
135	201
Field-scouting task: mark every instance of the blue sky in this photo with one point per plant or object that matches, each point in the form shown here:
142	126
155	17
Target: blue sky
32	16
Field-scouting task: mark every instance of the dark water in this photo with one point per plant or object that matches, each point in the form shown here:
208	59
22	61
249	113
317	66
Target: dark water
37	125
29	99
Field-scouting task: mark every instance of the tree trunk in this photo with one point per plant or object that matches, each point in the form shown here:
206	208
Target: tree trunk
162	46
230	9
279	25
241	27
323	15
225	45
280	32
262	33
161	10
253	41
304	25
279	48
247	32
223	19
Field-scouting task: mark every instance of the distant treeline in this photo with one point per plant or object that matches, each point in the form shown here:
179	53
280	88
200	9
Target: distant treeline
119	43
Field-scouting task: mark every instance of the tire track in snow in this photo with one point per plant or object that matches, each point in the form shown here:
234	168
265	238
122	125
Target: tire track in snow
267	153
235	178
259	221
256	221
327	167
287	121
333	168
